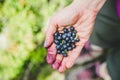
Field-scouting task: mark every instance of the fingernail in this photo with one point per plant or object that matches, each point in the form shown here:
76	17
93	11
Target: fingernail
45	43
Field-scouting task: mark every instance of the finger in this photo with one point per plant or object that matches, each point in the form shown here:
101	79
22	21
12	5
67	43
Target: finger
57	62
51	54
73	55
62	66
49	34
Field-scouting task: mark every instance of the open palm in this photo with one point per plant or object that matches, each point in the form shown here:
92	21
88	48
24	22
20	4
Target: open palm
83	21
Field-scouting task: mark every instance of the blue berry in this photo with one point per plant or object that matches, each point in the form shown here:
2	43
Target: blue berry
65	30
64	36
77	40
64	54
56	34
59	37
58	51
72	28
69	48
56	41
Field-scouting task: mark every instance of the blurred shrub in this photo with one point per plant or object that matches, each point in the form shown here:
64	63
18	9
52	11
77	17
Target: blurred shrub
22	24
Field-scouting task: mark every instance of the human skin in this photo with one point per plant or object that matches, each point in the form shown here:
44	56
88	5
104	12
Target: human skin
81	14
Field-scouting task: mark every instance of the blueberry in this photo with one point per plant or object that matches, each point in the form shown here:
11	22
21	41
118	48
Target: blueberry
72	28
69	34
65	30
61	44
56	33
64	46
58	51
68	44
56	41
63	52
67	38
59	37
73	46
73	41
75	31
71	38
77	40
65	55
58	47
64	36
69	48
73	34
55	38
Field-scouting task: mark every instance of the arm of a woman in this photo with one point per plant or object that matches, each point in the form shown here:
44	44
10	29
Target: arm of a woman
81	14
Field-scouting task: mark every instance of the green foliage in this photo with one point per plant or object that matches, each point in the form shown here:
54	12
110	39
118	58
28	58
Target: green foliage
22	23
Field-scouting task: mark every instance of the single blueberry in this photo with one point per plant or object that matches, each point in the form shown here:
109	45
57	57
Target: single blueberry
69	48
56	41
75	31
73	34
73	41
73	45
69	34
59	37
67	38
72	28
64	46
71	38
77	40
58	47
65	30
68	44
65	55
58	51
64	36
56	33
63	52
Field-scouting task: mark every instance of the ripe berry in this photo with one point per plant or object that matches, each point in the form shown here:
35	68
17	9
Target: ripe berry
56	33
65	30
69	34
58	51
64	46
77	40
71	28
69	48
67	38
59	37
73	46
58	47
56	41
65	55
73	34
64	36
68	44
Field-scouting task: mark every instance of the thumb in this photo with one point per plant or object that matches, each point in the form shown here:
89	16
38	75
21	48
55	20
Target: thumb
49	34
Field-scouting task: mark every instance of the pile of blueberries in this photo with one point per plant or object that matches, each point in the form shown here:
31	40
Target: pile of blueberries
65	41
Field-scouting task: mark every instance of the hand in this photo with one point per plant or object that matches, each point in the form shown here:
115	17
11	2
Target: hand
82	16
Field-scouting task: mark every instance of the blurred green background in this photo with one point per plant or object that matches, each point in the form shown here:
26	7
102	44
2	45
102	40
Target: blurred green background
22	33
